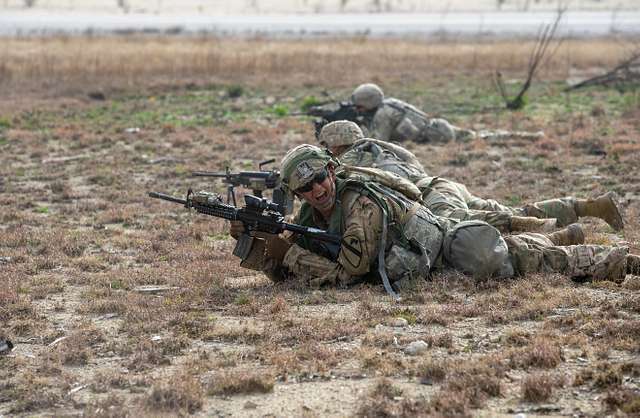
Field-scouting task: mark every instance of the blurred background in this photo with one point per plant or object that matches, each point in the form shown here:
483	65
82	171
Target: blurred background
315	17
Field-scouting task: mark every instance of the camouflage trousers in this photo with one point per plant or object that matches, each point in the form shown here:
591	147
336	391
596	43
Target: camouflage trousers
453	200
535	253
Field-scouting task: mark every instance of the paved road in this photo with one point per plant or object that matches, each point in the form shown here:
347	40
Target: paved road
577	23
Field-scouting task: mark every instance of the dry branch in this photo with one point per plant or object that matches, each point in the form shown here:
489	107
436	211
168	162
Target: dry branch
628	71
545	35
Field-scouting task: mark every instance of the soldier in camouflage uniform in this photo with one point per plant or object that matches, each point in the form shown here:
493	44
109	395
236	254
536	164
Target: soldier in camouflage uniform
387	235
451	199
394	120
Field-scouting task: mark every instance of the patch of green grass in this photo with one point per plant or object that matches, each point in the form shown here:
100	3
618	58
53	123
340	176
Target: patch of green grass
242	299
116	284
5	123
310	101
220	237
407	314
42	209
280	110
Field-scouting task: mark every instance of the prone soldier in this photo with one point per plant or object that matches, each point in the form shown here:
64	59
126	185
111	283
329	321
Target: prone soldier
451	199
390	119
388	236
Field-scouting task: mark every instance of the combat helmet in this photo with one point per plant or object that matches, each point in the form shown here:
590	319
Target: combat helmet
368	96
340	133
302	163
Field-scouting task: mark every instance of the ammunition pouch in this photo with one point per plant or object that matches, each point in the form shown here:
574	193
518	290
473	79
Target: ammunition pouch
251	252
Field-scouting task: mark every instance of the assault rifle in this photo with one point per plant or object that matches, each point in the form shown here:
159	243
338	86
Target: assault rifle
257	181
259	215
330	113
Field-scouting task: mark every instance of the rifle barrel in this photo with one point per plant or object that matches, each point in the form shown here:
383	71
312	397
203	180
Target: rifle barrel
163	196
208	174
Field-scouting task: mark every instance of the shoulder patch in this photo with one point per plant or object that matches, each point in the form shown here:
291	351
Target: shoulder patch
352	250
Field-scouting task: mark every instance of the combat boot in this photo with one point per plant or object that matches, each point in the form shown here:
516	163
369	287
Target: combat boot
633	264
531	224
602	207
571	235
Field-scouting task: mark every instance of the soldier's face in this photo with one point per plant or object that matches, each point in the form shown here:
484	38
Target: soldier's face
322	195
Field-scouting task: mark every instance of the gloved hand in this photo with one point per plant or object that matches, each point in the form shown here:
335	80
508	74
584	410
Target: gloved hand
236	229
276	246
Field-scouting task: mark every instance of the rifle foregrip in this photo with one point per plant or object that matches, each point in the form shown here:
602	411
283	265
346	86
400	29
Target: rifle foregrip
218	211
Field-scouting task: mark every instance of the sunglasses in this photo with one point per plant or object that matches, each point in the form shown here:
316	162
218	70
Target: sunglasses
318	178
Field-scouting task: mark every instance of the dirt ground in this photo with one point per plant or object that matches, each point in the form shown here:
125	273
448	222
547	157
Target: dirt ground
122	305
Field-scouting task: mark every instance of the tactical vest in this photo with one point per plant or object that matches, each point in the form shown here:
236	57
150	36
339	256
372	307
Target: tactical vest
414	236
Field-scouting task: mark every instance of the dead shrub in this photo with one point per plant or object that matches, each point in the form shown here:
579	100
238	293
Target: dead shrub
245	334
76	349
111	407
477	380
542	353
624	400
433	314
147	355
381	362
602	376
444	340
516	337
107	380
539	387
430	370
90	263
450	404
31	393
235	382
183	393
193	324
74	245
386	400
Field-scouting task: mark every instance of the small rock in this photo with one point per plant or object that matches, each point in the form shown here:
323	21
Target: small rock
416	347
5	260
134	130
270	100
250	405
399	322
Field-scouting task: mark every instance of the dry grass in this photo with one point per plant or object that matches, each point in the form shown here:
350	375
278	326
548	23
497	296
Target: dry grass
539	387
183	394
235	382
77	63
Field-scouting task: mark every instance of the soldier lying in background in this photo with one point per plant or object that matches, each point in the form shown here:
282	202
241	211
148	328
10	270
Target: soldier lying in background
453	200
387	236
394	120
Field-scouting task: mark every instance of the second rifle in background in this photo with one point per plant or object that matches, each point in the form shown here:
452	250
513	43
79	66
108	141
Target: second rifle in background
256	181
